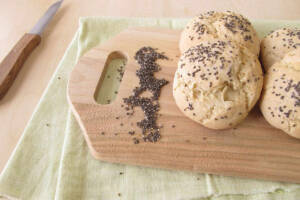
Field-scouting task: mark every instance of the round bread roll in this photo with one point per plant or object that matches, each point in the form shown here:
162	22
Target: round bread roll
217	83
276	44
280	102
219	25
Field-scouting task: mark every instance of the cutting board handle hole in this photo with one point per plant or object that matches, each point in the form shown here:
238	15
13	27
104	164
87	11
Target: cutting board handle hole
108	86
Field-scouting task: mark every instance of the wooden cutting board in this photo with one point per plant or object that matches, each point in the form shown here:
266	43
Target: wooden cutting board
253	149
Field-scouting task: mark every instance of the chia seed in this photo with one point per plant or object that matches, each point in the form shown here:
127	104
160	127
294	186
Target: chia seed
146	57
131	132
136	141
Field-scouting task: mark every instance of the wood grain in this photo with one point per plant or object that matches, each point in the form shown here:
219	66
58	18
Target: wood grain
13	62
253	149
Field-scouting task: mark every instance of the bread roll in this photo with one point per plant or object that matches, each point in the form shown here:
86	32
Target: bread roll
219	25
280	102
217	83
278	43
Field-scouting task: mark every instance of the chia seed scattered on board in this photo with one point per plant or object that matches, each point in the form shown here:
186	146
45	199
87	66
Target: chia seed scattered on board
136	141
131	132
146	57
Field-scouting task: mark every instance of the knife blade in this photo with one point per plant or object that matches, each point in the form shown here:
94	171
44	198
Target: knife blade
13	62
46	18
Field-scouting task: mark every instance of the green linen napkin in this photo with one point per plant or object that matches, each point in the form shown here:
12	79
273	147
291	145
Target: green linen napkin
52	161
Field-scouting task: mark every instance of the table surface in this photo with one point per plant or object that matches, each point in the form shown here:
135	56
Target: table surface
18	16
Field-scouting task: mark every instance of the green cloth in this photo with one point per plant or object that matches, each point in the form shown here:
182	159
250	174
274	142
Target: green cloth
52	161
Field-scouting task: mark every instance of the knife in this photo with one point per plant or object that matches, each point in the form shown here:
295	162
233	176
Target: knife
13	62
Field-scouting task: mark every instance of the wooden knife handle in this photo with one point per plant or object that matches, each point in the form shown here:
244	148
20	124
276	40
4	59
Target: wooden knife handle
13	62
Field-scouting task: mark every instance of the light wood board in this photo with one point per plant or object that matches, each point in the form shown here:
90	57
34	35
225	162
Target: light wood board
253	149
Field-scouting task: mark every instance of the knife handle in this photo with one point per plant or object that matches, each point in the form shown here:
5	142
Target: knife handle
13	62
